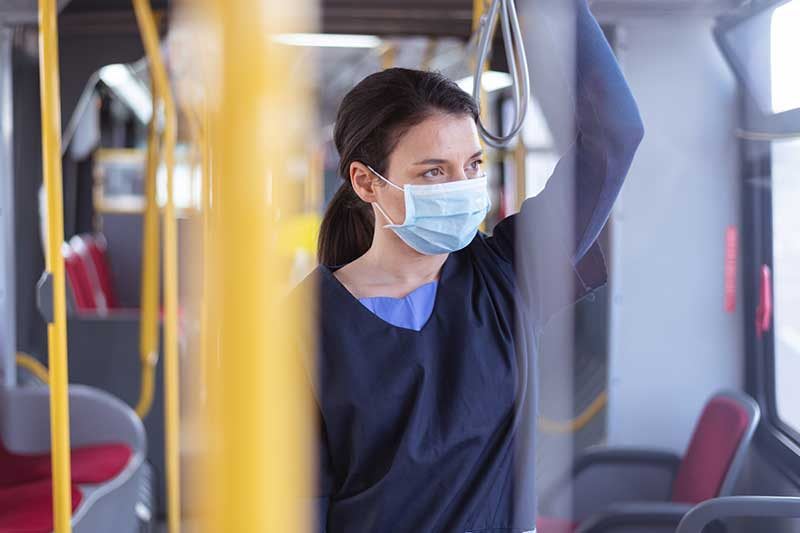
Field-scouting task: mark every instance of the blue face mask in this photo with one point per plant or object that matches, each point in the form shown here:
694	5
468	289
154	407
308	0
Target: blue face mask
443	217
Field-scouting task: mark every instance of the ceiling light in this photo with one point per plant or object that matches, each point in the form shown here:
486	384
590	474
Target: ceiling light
328	40
128	89
491	80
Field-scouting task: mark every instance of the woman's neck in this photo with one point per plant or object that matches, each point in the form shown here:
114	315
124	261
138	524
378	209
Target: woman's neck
389	268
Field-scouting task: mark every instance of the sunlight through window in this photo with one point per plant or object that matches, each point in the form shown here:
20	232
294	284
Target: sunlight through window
785	44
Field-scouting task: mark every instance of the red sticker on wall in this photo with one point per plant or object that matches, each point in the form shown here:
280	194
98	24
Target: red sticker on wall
731	254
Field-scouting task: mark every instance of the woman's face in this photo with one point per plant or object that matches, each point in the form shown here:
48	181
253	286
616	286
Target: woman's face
442	148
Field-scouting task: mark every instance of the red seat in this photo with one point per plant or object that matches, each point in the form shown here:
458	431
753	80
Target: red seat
715	441
97	246
555	525
83	246
79	281
90	465
708	469
29	508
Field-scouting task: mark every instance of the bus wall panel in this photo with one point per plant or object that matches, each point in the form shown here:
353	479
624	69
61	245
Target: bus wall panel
672	344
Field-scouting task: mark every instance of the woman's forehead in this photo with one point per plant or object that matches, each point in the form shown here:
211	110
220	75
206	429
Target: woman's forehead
445	137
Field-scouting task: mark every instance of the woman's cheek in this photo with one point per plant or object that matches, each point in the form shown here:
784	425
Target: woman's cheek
398	209
394	205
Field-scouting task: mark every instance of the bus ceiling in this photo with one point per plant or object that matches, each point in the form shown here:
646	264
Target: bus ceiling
387	17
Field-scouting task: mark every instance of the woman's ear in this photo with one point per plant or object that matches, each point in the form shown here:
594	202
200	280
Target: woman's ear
364	182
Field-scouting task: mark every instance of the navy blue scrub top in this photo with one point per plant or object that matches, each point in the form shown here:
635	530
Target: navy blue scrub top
432	430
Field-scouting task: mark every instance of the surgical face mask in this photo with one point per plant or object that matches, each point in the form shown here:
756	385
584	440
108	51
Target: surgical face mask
443	217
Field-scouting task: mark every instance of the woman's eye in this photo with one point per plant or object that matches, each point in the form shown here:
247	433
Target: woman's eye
434	173
475	166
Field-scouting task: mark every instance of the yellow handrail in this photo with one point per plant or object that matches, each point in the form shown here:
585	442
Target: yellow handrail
208	254
577	423
148	333
520	155
478	9
202	125
430	52
258	415
54	264
388	56
32	365
158	72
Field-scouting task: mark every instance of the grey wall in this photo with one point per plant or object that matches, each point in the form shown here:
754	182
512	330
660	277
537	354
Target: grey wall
672	344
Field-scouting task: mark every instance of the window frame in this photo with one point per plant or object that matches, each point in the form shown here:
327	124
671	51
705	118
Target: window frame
774	436
785	123
781	441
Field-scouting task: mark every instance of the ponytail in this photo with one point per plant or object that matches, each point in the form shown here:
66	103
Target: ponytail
346	231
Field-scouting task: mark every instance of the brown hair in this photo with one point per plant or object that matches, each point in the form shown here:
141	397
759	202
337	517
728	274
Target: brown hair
371	119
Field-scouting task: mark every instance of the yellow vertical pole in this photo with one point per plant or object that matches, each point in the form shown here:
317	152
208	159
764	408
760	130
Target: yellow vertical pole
210	465
209	258
57	330
149	32
148	334
521	172
259	429
478	7
316	179
388	56
430	51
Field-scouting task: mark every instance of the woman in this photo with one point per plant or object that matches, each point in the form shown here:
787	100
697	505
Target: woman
425	380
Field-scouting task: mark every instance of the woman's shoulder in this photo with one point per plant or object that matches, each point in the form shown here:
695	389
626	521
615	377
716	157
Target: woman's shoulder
491	248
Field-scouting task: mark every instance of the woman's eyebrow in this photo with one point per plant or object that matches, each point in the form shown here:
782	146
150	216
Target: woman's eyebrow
431	162
443	161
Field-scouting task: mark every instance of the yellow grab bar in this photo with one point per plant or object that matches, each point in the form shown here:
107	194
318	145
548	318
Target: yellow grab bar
520	155
148	333
258	417
388	56
54	264
200	121
478	8
577	423
32	365
208	255
149	32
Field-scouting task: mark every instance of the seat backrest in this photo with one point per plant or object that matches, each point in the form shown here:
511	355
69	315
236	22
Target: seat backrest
717	448
78	279
97	246
80	244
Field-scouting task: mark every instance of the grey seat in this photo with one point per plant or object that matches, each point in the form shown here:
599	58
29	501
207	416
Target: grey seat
95	418
649	490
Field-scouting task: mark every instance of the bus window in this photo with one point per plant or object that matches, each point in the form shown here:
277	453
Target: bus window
786	276
785	41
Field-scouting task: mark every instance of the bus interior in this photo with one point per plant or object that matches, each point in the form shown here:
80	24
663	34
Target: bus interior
164	168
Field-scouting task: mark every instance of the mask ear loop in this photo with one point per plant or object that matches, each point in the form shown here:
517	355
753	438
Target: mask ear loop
384	179
376	204
378	207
